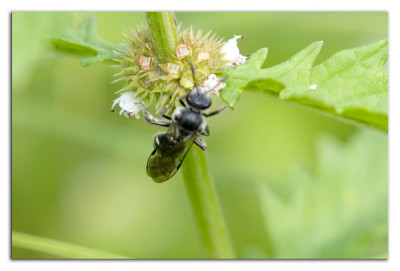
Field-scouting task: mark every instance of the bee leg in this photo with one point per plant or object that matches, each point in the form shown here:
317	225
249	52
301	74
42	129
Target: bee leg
182	102
152	120
216	112
206	131
201	143
163	110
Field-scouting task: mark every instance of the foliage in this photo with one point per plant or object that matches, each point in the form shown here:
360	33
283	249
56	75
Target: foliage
84	42
351	84
32	28
57	248
326	212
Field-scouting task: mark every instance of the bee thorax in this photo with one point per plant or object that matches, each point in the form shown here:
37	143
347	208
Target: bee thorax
189	121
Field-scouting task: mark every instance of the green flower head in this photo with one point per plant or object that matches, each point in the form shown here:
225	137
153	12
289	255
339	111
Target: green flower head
162	84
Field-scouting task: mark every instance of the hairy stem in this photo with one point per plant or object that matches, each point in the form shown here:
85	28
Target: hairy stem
164	34
205	205
201	190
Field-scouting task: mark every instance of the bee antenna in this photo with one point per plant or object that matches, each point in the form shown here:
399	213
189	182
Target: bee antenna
223	79
219	82
194	79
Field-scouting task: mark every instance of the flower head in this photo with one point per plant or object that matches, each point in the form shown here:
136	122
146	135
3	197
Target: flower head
150	82
129	105
162	83
231	52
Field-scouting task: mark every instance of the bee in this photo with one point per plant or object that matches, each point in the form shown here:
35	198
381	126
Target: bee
186	126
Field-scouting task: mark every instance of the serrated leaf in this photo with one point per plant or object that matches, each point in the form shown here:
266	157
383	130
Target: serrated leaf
84	42
337	210
350	85
246	76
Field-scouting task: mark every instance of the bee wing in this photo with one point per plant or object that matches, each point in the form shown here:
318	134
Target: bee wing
166	159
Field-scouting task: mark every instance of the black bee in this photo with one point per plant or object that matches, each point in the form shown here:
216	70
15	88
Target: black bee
185	127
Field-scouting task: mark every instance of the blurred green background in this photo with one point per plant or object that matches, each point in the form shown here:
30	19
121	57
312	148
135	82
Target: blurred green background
292	182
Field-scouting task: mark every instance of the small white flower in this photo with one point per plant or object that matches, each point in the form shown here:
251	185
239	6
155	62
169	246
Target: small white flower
313	86
183	51
232	54
213	85
202	56
129	105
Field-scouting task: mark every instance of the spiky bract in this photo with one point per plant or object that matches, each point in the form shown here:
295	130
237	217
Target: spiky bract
162	84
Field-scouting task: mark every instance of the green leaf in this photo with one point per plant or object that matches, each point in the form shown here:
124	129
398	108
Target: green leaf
84	42
337	210
350	85
36	27
249	76
264	86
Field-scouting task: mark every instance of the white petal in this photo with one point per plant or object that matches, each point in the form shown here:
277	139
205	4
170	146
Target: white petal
210	82
129	105
232	53
115	103
213	85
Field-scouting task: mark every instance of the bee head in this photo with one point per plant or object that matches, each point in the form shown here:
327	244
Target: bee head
199	98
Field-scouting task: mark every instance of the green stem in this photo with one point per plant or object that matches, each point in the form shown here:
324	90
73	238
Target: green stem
201	190
58	248
164	34
205	205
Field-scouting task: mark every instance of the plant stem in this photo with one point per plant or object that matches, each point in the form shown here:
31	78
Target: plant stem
205	205
164	34
58	248
201	190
